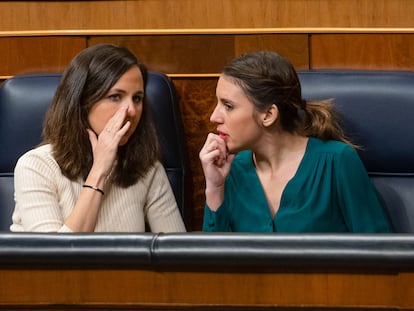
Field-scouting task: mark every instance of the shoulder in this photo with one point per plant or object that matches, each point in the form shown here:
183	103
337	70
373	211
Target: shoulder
317	146
38	161
155	172
43	150
158	168
337	153
41	154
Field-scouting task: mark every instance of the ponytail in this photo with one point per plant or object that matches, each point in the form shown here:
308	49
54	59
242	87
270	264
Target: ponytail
321	120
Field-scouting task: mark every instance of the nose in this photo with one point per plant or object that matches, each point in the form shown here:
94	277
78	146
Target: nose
132	109
215	116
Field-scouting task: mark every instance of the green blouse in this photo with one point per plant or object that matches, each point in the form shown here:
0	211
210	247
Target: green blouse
330	192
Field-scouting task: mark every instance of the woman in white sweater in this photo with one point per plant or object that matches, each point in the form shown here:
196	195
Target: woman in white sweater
98	167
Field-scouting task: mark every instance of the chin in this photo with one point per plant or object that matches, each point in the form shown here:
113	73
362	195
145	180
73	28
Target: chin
232	149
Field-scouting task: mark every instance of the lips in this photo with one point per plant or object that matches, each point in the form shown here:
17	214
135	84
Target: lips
223	135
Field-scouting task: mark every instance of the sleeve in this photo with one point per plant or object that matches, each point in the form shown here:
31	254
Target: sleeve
216	221
37	207
161	208
358	199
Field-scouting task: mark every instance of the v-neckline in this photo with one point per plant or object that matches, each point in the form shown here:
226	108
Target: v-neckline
288	184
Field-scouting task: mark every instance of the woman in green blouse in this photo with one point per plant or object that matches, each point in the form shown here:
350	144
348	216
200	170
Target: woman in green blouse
278	163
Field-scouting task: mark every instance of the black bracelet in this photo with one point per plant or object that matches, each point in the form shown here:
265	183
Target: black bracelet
94	188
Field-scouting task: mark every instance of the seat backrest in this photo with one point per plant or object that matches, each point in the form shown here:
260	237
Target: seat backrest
377	110
24	100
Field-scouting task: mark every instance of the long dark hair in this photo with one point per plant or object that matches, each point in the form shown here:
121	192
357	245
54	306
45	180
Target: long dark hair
268	78
86	80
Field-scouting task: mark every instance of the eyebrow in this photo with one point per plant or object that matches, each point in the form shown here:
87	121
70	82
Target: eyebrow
123	91
225	99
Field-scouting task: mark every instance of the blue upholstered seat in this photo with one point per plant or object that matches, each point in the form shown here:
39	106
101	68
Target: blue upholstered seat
377	111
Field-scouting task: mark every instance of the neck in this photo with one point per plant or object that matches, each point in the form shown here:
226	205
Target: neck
275	152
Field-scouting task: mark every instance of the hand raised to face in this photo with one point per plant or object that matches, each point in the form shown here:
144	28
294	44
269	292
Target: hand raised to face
215	160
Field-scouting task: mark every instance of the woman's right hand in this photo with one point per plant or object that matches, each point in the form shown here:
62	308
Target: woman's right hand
105	145
216	163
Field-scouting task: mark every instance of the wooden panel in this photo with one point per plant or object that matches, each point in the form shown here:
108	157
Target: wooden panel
37	54
197	54
363	51
173	54
293	46
190	14
128	287
197	99
177	53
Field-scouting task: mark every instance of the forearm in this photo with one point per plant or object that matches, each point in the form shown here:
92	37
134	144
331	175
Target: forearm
85	213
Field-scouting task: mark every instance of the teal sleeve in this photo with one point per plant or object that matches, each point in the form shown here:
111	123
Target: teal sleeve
358	199
215	221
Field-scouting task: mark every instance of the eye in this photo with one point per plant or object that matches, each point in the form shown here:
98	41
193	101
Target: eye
138	98
228	106
114	97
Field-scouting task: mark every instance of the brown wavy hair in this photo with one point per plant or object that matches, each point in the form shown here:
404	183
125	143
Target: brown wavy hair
86	80
268	78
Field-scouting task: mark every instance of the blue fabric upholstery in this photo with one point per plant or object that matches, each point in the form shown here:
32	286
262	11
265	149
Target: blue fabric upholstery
377	109
24	100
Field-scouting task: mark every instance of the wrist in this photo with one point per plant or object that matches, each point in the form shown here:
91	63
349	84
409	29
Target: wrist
96	179
97	189
214	197
214	190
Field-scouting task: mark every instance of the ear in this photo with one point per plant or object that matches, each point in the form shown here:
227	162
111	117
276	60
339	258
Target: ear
270	116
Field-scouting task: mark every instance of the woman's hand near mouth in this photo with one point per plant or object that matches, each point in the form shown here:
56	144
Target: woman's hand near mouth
216	163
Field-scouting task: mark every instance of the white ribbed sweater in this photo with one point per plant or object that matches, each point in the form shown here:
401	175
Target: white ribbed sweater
44	199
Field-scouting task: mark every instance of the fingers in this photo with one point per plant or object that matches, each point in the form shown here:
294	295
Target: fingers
92	138
214	151
116	127
213	143
116	123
